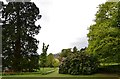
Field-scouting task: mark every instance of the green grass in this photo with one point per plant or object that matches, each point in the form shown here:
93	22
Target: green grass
56	75
46	70
41	71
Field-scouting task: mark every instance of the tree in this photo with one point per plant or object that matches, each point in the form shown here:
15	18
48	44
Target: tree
1	4
18	31
43	56
65	52
50	59
104	35
56	62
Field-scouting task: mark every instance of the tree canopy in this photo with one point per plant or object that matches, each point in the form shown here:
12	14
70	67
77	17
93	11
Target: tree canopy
43	56
104	35
50	59
18	31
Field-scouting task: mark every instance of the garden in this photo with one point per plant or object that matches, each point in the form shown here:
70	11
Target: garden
20	59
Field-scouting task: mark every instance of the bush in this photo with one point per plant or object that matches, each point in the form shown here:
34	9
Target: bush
79	64
64	66
74	66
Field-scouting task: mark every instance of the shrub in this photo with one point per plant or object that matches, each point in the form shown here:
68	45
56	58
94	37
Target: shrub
74	66
80	63
64	66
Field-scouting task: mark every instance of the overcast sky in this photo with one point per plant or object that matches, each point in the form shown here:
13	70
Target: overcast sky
65	22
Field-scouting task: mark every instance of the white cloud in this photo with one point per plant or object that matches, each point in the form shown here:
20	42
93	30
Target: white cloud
64	21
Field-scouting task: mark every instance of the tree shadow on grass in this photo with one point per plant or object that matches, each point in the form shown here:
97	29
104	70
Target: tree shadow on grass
110	69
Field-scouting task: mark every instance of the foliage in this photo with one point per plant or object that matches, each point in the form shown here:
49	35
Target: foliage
64	66
104	35
79	63
18	31
56	62
65	52
43	56
49	62
75	50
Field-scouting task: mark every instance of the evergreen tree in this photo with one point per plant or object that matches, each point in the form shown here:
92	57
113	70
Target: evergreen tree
18	31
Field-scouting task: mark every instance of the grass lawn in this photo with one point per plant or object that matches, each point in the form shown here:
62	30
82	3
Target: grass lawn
39	72
56	75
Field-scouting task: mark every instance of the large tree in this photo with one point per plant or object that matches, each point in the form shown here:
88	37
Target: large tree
18	42
104	35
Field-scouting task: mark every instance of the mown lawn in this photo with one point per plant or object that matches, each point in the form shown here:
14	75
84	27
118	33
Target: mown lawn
56	75
42	71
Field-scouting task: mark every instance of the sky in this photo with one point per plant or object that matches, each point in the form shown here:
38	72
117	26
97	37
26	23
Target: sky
65	23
